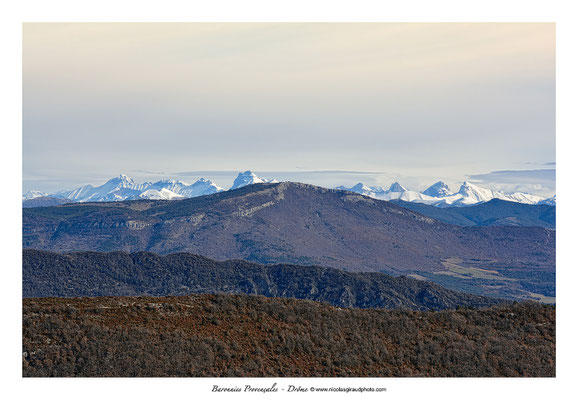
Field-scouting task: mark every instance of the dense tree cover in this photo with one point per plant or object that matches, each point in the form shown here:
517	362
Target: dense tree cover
48	274
240	335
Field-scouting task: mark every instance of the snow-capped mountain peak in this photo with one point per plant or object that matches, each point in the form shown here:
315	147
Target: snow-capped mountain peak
360	186
475	194
201	187
121	181
249	178
439	195
362	189
123	187
33	194
438	189
395	192
396	188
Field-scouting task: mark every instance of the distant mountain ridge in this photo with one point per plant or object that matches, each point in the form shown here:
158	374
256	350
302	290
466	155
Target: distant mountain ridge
44	201
308	225
439	195
492	213
124	188
33	194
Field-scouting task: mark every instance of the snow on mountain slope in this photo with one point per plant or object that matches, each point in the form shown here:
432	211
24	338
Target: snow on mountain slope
526	198
375	191
249	178
551	201
169	184
473	194
438	189
407	195
33	194
439	195
199	188
364	190
74	194
163	194
395	192
124	188
396	188
116	189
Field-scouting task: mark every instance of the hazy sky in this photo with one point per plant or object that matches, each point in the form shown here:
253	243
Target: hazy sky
409	101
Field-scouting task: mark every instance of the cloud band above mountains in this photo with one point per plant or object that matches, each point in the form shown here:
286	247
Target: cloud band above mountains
541	182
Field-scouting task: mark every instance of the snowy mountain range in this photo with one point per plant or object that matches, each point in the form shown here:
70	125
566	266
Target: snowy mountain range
124	188
439	195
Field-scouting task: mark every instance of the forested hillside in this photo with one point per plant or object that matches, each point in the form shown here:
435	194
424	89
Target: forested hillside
48	274
224	335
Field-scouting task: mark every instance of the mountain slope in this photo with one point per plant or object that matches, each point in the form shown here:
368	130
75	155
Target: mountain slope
304	224
33	194
162	194
44	201
551	201
83	274
119	188
438	189
201	187
492	213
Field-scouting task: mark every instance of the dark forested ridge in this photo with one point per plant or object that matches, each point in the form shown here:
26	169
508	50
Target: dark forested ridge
47	274
308	225
240	335
492	213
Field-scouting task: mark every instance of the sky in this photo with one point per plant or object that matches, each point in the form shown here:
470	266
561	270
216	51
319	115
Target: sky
323	103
